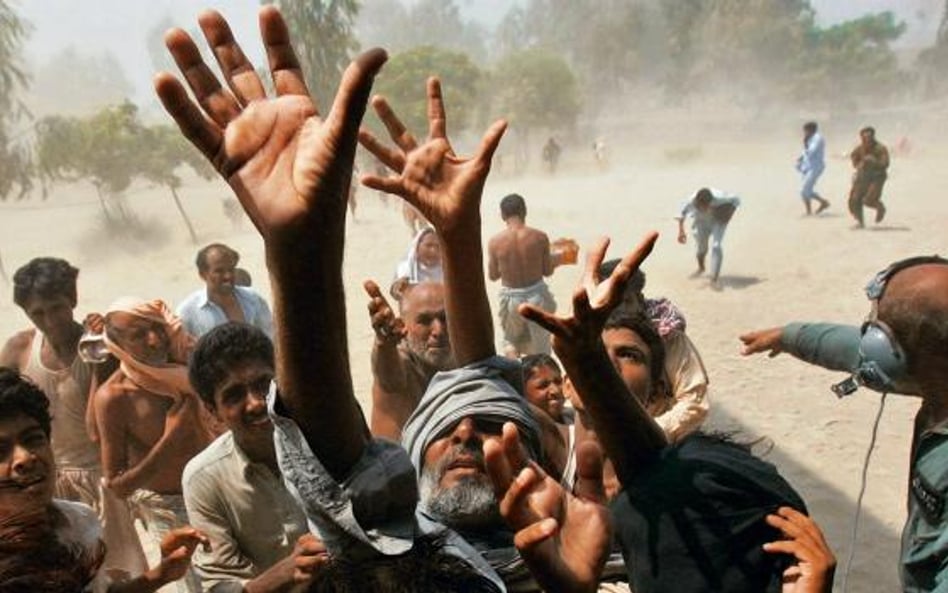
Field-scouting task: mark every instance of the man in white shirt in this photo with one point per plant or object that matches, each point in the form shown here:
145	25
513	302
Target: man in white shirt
222	300
811	163
711	210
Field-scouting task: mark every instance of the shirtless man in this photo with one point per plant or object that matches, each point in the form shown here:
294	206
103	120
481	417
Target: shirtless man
148	415
45	288
222	299
519	256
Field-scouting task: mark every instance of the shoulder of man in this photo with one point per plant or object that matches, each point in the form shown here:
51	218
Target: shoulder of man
204	468
16	348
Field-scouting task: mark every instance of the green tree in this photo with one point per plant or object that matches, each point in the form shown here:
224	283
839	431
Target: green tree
111	149
535	88
402	83
322	31
15	162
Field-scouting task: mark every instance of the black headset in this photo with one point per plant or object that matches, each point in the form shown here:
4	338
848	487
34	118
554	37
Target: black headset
882	360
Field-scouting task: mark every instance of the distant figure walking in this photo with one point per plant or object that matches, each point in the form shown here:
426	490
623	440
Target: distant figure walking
811	163
871	161
711	211
551	154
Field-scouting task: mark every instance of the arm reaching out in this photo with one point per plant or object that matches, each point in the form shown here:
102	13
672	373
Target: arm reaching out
290	169
447	190
564	538
391	402
628	434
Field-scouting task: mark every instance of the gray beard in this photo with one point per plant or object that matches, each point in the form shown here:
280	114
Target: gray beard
468	505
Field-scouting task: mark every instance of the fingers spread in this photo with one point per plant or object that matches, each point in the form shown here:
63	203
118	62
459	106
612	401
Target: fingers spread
437	120
594	258
284	65
490	142
196	127
345	116
546	320
634	259
396	129
219	104
237	69
589	483
391	158
389	185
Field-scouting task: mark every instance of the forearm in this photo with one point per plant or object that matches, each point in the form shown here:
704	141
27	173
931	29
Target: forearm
147	582
276	579
387	368
629	436
312	357
831	346
470	324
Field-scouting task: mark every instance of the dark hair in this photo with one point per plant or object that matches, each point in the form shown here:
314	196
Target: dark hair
703	195
513	205
242	277
20	396
201	260
531	362
44	277
622	317
222	349
426	568
636	281
32	558
810	126
869	129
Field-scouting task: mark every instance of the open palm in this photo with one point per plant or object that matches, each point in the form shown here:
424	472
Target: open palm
444	187
284	162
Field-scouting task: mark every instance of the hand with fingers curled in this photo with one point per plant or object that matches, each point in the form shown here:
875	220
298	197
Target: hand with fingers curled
309	556
289	166
593	300
764	340
815	563
564	537
444	187
177	547
388	328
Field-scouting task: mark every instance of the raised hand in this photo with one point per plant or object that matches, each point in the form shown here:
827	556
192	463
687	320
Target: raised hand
815	563
593	300
765	340
563	537
287	165
444	187
388	327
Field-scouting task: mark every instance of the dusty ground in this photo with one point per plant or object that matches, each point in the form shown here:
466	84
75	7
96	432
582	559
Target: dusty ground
779	267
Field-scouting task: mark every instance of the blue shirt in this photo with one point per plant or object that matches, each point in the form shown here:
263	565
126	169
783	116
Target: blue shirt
200	315
814	154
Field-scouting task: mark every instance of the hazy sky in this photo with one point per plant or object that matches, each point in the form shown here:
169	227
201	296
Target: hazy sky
120	26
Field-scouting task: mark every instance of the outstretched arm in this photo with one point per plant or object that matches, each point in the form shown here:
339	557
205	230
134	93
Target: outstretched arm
829	345
447	190
628	434
563	537
392	404
290	168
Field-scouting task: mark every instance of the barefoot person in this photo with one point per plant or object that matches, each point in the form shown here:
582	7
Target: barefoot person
871	161
811	163
519	256
711	211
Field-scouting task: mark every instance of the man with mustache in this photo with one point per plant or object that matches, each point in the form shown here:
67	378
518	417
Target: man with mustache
222	299
408	350
147	414
233	488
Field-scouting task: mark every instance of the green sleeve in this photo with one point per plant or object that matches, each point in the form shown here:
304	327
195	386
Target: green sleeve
829	345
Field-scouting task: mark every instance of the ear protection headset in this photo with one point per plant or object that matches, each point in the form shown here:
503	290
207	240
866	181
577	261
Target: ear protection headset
882	360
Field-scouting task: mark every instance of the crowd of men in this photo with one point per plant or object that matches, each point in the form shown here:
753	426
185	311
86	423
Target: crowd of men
236	439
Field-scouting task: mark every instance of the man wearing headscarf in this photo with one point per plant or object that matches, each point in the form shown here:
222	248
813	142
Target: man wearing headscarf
148	416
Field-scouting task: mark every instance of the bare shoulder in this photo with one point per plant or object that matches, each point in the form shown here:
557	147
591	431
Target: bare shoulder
115	389
15	350
537	236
